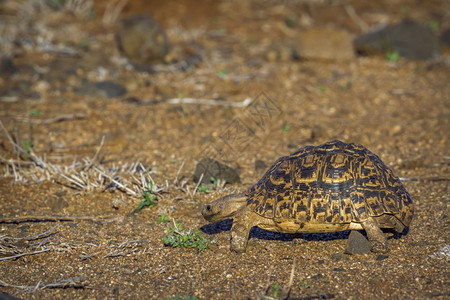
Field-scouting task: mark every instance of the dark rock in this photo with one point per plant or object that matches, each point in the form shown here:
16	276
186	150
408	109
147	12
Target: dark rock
102	89
142	39
411	39
339	270
6	296
445	38
7	66
133	100
357	244
58	203
260	166
381	257
338	256
212	168
19	89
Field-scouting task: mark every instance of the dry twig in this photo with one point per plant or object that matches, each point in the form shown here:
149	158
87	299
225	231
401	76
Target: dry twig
35	219
246	102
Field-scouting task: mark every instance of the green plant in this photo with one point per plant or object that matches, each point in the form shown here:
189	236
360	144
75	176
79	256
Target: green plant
56	4
203	188
290	21
35	113
393	56
322	88
434	25
28	146
276	290
286	128
304	284
179	237
222	73
148	200
207	187
163	219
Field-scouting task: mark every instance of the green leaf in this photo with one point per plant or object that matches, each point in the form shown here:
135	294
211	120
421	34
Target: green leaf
393	56
286	128
35	113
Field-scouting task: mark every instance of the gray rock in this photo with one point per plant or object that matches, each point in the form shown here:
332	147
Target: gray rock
212	168
6	296
445	38
357	244
102	89
260	166
142	39
411	39
7	66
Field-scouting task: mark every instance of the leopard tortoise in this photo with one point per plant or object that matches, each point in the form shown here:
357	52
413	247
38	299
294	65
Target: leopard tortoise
327	188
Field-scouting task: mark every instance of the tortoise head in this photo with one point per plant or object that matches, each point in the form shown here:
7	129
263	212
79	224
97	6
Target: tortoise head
223	208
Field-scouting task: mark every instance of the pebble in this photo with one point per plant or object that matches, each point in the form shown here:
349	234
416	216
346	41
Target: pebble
411	39
101	89
260	165
142	39
7	66
212	168
357	244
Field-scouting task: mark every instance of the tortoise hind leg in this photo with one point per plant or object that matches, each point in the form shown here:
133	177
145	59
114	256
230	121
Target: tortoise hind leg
375	235
240	231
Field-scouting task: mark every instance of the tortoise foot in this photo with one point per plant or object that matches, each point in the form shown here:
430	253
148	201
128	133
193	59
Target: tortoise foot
379	247
238	243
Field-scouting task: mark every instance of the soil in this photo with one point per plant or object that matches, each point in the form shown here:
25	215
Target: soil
92	247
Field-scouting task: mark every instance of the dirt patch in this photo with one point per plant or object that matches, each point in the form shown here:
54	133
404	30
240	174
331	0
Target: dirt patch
74	237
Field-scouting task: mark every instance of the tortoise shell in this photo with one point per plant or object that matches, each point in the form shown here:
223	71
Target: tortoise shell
332	183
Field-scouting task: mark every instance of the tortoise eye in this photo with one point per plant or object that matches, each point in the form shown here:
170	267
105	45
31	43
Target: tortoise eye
208	207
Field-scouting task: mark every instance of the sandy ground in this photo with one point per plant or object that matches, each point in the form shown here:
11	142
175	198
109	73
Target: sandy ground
97	250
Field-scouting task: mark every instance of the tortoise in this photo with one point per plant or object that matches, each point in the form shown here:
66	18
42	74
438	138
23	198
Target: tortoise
332	187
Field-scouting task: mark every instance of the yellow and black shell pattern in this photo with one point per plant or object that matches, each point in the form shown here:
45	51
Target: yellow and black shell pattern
333	183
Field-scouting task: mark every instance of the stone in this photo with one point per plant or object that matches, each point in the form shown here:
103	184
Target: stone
102	89
211	168
260	166
7	66
444	39
142	39
410	39
357	244
325	43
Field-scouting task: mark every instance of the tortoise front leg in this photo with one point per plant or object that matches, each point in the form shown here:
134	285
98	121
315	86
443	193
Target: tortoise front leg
240	231
375	235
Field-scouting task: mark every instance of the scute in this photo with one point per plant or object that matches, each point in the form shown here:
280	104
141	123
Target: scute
332	183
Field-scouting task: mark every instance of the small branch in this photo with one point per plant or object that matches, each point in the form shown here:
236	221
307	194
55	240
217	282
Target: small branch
31	154
53	120
246	102
23	254
178	173
95	155
198	184
355	18
116	182
39	236
14	162
65	283
35	219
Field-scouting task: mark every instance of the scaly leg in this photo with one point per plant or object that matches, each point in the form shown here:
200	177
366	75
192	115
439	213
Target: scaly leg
240	231
375	235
